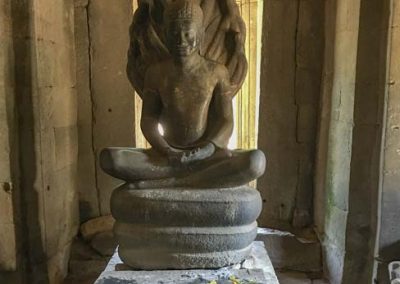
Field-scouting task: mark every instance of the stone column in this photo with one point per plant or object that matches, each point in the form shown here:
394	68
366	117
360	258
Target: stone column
388	237
365	165
89	206
112	94
106	99
336	131
8	140
357	132
42	67
292	56
52	135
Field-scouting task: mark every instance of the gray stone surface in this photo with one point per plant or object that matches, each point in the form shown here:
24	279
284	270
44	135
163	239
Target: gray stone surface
111	94
289	102
290	252
366	173
336	132
259	259
256	268
41	61
185	228
105	97
85	263
389	215
185	277
80	268
294	277
354	177
88	195
104	243
8	159
189	207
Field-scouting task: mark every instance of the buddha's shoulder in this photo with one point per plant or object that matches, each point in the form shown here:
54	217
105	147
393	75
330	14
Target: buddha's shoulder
159	67
216	68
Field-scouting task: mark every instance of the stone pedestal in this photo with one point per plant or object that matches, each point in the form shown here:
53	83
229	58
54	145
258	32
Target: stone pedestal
256	268
185	228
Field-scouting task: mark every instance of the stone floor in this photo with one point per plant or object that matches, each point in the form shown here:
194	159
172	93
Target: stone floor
256	268
288	277
293	277
87	264
84	280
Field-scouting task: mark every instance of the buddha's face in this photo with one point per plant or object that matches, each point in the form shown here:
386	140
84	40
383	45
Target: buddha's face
183	38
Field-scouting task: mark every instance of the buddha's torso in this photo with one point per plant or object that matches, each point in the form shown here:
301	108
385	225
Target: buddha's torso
186	98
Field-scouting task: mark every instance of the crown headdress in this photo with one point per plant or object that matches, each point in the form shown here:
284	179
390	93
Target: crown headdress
179	10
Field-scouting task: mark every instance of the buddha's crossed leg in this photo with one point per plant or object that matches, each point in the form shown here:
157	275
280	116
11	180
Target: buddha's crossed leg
147	169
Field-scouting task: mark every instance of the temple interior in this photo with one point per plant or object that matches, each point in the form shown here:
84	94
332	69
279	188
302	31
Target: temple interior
321	100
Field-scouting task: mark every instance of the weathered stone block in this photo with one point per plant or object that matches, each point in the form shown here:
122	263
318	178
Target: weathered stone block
111	93
308	86
288	252
79	268
96	226
104	243
52	115
8	247
88	195
293	278
66	148
81	250
306	126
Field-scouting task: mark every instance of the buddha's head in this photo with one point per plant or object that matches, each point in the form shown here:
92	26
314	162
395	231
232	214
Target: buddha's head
184	27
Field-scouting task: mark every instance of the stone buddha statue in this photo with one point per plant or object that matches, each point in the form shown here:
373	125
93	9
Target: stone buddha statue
185	203
190	96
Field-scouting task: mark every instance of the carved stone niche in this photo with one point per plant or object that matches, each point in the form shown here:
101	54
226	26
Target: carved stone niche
186	202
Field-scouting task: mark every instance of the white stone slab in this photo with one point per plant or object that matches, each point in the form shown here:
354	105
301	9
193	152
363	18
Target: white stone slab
255	269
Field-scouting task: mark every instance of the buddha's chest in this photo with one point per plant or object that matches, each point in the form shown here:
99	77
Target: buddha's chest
187	90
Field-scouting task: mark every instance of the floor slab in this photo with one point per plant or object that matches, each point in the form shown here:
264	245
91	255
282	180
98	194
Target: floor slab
256	269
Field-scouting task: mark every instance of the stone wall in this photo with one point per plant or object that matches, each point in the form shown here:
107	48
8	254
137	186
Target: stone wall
44	183
365	165
291	68
54	108
88	194
336	130
357	143
8	157
105	97
388	237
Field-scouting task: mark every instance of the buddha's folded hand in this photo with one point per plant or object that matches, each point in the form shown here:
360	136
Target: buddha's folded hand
198	154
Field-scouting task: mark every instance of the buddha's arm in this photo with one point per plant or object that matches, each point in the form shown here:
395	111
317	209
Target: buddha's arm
149	122
220	123
151	111
221	127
